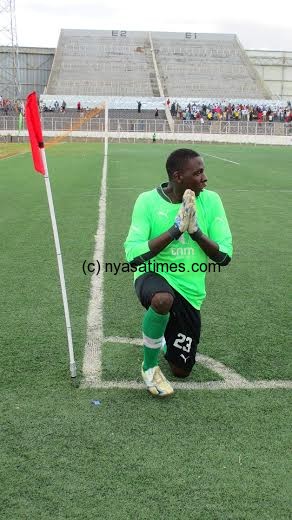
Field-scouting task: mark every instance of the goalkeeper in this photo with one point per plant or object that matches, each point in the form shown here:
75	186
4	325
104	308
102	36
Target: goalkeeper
179	223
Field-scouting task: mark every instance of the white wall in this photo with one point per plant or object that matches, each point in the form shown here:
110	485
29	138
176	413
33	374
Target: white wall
275	68
194	138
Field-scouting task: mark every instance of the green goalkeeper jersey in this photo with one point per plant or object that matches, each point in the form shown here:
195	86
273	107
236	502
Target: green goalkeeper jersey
179	263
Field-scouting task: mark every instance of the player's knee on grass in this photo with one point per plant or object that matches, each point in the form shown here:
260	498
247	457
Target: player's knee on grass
162	302
179	372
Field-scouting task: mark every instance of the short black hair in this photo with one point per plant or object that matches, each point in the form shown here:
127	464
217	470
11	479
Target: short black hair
177	159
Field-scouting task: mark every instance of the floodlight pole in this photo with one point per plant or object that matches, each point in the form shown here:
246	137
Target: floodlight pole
9	74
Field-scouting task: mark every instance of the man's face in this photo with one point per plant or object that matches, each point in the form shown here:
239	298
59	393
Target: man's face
192	176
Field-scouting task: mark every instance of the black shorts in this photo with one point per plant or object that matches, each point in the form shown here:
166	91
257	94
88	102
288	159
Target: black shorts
182	333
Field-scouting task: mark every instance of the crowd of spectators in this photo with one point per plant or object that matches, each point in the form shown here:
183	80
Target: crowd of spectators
204	112
8	107
57	106
231	112
53	107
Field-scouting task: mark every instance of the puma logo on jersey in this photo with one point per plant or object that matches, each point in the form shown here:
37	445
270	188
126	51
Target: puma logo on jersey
182	239
219	219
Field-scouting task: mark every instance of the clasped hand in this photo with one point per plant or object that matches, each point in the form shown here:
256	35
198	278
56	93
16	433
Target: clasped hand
186	219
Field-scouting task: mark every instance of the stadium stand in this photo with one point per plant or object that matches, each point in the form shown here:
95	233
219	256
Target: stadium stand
206	65
119	120
100	63
199	83
133	114
120	63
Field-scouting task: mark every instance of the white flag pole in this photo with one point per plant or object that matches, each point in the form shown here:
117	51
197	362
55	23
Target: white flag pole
60	265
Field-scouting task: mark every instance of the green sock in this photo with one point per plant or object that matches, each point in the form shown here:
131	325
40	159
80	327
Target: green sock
164	348
154	325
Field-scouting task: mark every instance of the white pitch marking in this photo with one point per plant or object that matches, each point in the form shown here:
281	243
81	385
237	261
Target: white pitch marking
13	156
221	158
92	355
232	381
94	382
20	153
228	374
263	191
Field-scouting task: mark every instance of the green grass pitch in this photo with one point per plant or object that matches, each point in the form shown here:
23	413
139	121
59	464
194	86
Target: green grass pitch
203	455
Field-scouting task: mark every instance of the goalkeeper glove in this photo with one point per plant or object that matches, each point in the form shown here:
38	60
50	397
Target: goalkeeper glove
193	222
193	228
182	219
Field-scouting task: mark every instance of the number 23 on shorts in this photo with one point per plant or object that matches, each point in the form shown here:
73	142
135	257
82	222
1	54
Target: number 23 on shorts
183	342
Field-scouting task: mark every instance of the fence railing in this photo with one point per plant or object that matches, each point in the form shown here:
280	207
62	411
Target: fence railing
10	123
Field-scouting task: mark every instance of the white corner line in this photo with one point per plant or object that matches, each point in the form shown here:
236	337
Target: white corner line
93	382
226	373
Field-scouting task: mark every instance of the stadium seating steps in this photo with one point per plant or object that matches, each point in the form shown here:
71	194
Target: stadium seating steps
109	63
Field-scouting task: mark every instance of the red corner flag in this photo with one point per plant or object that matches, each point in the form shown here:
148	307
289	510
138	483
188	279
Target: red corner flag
33	124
